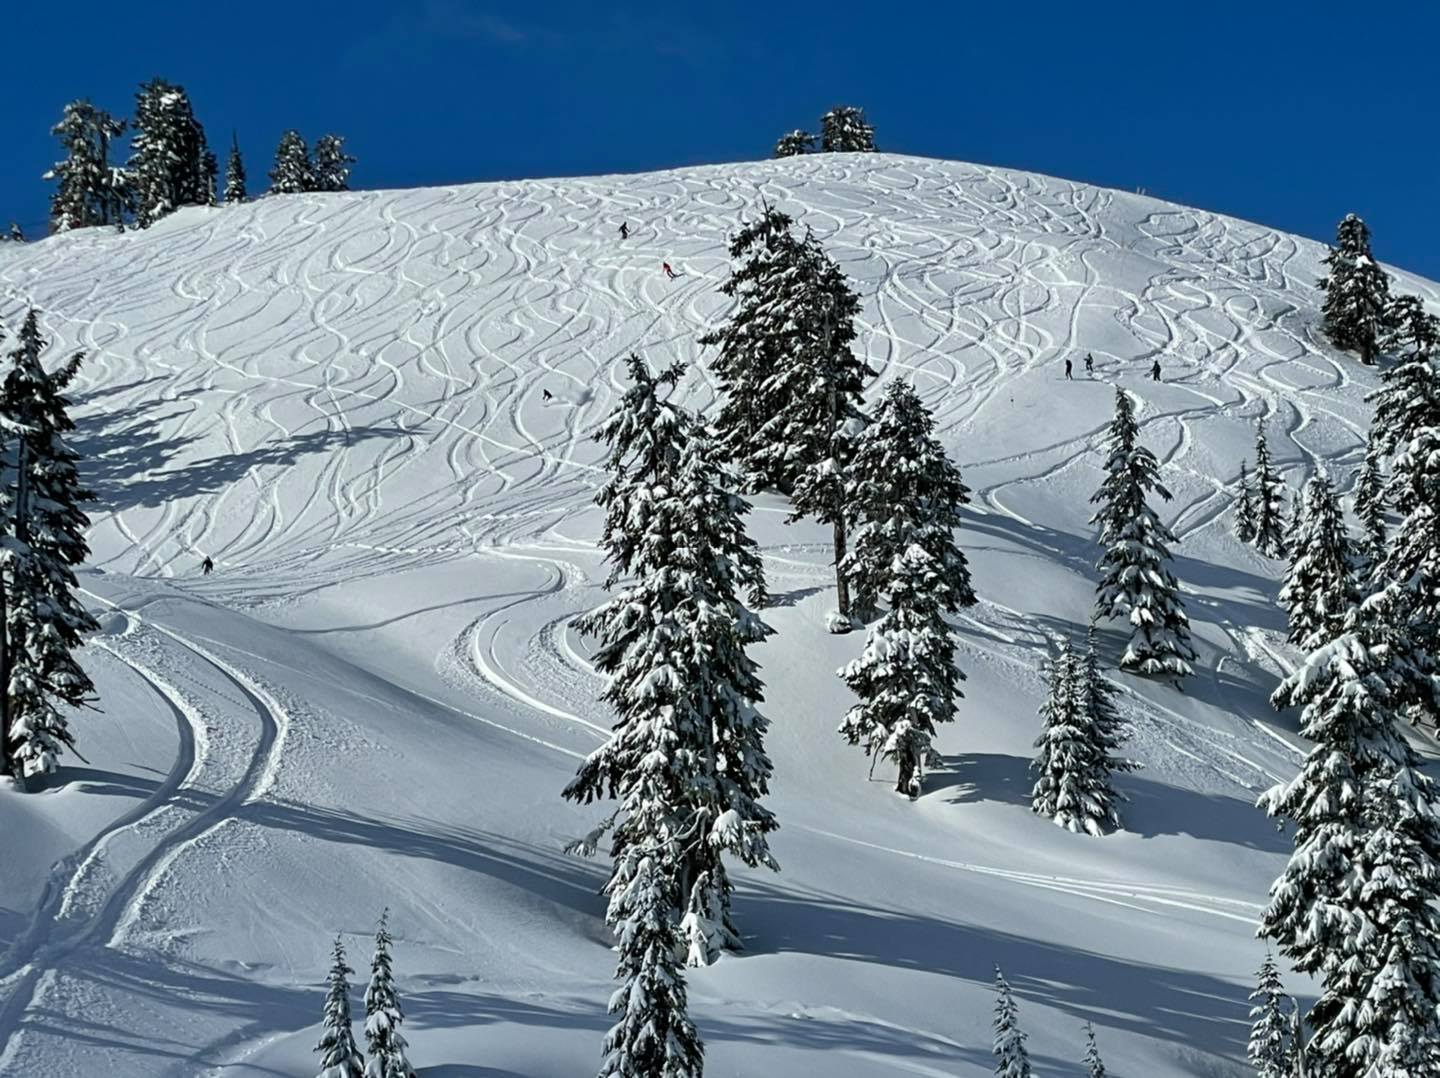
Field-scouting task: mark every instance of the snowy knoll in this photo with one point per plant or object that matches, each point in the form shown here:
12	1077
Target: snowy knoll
378	696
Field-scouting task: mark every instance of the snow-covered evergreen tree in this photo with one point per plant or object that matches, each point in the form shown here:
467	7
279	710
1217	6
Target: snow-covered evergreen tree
906	677
1356	904
170	165
1320	588
794	144
90	191
1094	1065
1245	507
293	173
1011	1058
1269	1048
1269	500
331	170
652	1034
1370	510
235	173
1098	696
1409	395
16	235
902	489
843	130
1073	788
1411	566
673	644
383	1014
44	500
1135	579
339	1058
1357	292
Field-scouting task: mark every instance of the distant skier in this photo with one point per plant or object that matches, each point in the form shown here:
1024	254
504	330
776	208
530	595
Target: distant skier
1155	372
624	230
1089	363
668	271
546	395
1068	376
207	566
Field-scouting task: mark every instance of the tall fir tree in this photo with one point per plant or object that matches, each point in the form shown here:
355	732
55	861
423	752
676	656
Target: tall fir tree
1269	1049
1356	904
1011	1058
795	144
383	1014
332	164
902	489
1135	579
1094	1065
1245	507
170	165
235	191
1409	395
293	173
339	1058
90	191
44	499
906	677
675	640
1370	509
1073	788
1357	292
1411	566
1098	696
843	130
1320	588
1269	500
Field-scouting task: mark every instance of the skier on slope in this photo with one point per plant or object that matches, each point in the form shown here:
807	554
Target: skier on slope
1068	376
670	273
1155	372
546	395
1089	363
207	566
624	230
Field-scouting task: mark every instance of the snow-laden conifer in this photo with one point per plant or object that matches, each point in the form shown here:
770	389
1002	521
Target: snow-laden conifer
906	677
843	130
1073	786
235	191
1408	399
339	1058
1356	904
795	143
1135	578
292	173
1269	1048
44	500
673	644
902	489
1269	501
1357	292
89	191
1320	587
1370	510
1098	695
1011	1058
1094	1065
331	170
383	1014
169	165
1245	507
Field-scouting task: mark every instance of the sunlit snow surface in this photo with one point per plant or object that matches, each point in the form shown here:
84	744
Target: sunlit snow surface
377	698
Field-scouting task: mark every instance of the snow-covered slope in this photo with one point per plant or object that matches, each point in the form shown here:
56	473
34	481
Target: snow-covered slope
377	697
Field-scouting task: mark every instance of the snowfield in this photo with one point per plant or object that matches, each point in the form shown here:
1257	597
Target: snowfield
378	696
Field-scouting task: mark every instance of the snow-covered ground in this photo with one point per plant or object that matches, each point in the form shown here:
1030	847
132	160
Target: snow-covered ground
377	697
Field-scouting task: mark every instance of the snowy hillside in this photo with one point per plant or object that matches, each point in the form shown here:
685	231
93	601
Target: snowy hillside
377	697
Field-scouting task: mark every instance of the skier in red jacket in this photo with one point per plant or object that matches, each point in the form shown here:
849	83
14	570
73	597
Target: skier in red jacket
668	271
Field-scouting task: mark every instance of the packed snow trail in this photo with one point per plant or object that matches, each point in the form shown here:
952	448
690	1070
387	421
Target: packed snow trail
374	409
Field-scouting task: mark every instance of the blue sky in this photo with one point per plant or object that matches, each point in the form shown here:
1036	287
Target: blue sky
1279	112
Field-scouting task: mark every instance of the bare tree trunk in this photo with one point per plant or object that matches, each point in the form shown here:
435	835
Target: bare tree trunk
842	585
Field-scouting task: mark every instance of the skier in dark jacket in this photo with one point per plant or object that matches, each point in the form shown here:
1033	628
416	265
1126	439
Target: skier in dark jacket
546	395
207	566
668	271
1155	372
1089	363
624	230
1068	376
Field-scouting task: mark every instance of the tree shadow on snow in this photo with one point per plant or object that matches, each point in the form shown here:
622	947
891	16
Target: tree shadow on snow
1154	808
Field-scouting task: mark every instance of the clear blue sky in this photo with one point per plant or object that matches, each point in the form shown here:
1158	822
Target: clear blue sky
1287	113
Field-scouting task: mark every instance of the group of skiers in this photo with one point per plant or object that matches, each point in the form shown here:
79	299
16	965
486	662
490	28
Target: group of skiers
1090	368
